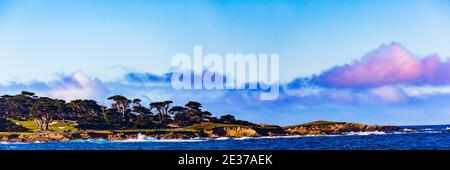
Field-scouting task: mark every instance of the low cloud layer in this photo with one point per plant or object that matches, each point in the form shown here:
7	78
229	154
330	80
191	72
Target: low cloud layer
388	65
389	76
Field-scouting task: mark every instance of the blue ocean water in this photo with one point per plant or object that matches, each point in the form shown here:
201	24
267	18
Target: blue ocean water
423	138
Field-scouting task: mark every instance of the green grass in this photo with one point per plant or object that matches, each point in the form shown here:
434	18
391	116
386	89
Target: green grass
29	124
58	126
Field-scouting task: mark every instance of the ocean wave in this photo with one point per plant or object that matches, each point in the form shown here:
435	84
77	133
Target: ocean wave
245	138
9	143
222	138
280	137
143	138
400	132
408	130
422	131
364	133
90	141
283	137
162	140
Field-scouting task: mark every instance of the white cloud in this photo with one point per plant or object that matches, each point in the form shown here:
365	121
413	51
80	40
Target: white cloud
422	91
76	86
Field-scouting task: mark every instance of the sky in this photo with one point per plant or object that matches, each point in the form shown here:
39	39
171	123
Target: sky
380	62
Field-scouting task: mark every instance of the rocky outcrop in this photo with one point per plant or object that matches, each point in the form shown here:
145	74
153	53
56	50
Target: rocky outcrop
335	128
244	131
62	136
234	131
35	137
313	128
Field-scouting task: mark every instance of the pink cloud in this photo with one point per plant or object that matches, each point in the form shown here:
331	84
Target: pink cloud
388	65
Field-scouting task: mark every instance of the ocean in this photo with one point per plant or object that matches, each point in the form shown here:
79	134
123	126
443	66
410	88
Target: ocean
435	137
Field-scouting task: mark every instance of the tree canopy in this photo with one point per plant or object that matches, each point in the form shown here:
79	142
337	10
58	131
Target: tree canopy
122	114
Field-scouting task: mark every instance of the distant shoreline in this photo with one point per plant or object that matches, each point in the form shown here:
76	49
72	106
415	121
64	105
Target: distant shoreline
204	130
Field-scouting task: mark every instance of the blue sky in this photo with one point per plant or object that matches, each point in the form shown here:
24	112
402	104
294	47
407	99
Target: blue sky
42	41
309	35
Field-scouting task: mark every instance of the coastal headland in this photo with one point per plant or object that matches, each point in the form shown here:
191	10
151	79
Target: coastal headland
204	130
26	117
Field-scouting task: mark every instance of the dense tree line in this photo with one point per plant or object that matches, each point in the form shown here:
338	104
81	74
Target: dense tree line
123	113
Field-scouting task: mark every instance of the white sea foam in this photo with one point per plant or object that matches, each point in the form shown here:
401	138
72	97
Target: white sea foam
283	137
143	138
304	136
91	141
408	129
222	138
399	133
365	133
163	140
7	143
244	138
280	137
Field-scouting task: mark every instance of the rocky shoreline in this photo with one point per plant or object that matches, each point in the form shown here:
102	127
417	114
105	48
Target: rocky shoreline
313	128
